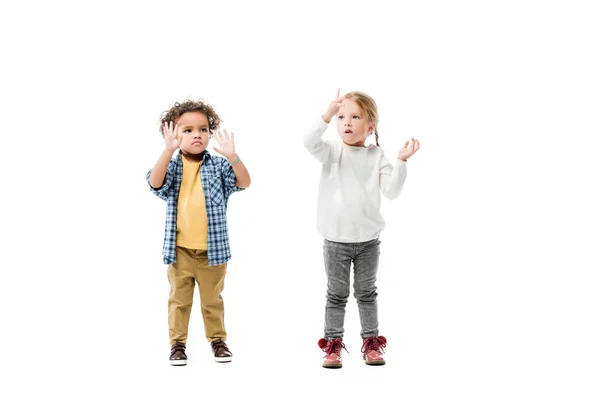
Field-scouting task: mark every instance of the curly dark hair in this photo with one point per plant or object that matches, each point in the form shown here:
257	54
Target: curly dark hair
179	109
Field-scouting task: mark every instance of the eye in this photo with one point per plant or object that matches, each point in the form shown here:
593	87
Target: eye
187	130
340	117
356	117
204	130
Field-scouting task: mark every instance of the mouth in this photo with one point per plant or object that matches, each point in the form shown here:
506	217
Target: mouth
196	142
348	131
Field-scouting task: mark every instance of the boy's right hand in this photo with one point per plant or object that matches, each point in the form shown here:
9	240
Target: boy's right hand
172	136
333	109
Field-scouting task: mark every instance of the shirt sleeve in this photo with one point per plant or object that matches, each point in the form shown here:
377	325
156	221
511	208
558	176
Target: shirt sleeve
321	149
228	175
391	179
163	191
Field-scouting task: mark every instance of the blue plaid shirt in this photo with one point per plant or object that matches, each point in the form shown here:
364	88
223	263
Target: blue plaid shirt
218	183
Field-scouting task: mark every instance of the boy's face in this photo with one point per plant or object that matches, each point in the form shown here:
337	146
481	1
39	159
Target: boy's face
194	132
352	126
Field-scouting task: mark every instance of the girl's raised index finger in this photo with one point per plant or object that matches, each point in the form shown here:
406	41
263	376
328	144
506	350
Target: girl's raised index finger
338	94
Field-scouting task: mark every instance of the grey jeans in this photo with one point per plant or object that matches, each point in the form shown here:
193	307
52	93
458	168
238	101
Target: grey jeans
338	258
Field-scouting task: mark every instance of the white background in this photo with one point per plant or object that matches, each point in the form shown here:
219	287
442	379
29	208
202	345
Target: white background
488	277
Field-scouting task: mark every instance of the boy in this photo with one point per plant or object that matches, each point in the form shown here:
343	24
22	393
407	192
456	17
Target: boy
196	187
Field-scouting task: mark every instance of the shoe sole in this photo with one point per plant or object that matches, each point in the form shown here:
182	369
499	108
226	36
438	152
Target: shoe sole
178	363
223	359
332	366
375	362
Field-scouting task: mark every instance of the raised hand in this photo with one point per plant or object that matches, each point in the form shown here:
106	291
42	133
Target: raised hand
226	145
333	109
410	148
172	136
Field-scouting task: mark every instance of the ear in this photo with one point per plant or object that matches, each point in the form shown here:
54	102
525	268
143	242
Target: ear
371	128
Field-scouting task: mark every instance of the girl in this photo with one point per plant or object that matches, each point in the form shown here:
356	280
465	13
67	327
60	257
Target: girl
349	217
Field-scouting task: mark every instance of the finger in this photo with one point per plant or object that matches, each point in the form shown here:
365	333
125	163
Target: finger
406	145
337	96
217	150
417	145
232	137
225	134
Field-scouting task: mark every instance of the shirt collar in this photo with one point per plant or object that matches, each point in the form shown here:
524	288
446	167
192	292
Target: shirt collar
205	155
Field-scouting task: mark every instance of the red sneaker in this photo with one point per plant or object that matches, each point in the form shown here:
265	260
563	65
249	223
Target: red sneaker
372	348
332	349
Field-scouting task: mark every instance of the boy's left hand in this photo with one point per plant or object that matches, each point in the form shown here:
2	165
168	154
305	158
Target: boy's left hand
410	148
226	146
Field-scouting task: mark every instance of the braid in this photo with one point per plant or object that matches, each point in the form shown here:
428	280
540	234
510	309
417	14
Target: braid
376	138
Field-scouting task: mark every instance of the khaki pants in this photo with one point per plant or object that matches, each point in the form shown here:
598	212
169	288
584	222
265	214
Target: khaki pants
191	268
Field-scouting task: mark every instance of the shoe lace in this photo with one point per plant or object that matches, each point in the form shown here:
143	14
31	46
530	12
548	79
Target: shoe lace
335	346
373	343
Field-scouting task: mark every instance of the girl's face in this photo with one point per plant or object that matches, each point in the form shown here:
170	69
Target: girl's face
352	125
194	131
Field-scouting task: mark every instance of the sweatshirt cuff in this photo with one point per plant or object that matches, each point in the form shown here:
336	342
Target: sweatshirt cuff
401	165
320	125
315	132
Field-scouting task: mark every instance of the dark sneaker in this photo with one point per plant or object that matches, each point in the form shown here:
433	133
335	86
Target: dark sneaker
372	349
178	356
220	351
332	349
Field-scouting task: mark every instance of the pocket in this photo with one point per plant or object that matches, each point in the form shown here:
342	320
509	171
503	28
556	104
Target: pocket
216	195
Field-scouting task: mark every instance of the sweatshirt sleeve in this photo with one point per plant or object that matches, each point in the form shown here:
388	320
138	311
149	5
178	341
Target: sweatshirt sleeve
322	150
391	178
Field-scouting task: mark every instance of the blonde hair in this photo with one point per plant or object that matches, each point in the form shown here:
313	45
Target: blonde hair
367	106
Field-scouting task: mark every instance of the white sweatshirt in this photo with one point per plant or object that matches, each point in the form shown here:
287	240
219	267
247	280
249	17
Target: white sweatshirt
349	202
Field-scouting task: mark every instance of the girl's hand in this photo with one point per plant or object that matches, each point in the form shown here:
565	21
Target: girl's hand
172	136
226	146
408	150
333	109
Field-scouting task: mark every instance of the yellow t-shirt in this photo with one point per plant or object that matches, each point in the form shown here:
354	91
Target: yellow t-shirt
192	221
